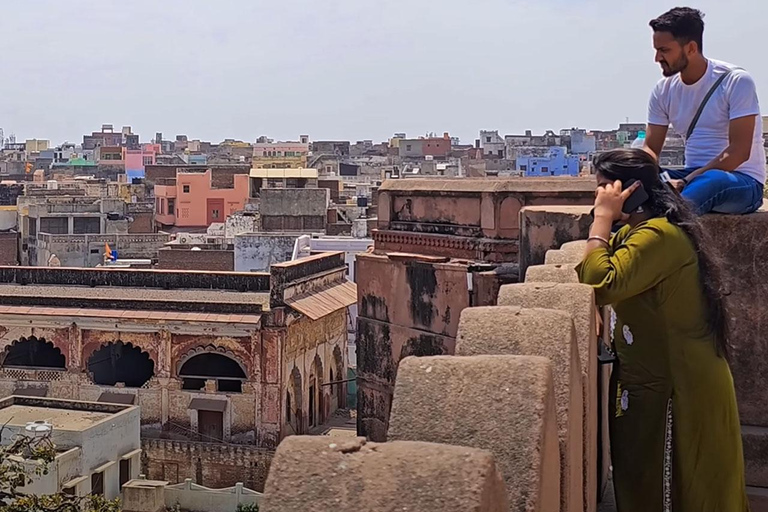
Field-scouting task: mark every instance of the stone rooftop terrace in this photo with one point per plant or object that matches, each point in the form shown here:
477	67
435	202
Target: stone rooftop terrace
517	379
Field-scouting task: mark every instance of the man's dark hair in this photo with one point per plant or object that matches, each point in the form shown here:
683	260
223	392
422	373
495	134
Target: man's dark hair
685	25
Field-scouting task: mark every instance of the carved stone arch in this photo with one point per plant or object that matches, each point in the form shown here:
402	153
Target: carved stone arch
119	361
33	352
98	340
209	349
296	392
9	335
317	401
339	389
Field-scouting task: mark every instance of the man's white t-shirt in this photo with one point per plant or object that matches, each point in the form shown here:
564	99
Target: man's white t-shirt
673	102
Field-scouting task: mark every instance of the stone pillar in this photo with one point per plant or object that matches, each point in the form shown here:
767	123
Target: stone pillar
74	358
164	361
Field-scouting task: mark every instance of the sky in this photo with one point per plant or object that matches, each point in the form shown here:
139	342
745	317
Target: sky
342	69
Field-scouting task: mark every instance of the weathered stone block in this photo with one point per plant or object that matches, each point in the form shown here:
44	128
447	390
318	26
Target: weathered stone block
577	300
569	253
506	330
504	404
552	274
345	475
755	455
576	246
758	499
743	241
547	227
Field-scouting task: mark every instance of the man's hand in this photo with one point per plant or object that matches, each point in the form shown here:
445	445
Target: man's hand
678	185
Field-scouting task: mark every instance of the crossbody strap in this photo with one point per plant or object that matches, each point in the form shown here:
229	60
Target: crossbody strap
704	103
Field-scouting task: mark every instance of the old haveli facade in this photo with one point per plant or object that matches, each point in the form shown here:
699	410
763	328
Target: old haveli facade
221	359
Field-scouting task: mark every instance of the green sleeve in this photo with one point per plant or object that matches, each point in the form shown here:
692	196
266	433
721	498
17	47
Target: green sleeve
646	256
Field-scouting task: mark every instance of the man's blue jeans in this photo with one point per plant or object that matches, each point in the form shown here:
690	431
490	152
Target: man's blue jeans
720	191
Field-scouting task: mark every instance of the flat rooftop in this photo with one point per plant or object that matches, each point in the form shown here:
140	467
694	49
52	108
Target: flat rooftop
88	298
123	294
18	415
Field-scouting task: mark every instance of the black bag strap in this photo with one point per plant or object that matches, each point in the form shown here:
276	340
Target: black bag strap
705	101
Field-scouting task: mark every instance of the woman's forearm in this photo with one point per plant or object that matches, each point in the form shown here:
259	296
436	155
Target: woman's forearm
601	230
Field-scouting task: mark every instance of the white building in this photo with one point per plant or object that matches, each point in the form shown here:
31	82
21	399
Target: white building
97	444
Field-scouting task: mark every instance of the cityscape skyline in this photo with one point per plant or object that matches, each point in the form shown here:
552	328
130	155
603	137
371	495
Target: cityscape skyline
347	71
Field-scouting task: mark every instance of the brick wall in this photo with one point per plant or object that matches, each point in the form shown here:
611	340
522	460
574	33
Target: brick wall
304	223
209	464
9	246
142	223
186	259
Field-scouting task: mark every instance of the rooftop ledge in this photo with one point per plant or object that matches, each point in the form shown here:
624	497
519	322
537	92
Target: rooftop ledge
490	185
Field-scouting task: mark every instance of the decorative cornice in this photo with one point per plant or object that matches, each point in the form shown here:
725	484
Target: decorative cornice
483	245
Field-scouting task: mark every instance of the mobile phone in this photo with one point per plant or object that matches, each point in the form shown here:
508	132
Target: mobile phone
638	197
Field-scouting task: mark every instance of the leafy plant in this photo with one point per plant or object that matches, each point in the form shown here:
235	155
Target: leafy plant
247	507
15	474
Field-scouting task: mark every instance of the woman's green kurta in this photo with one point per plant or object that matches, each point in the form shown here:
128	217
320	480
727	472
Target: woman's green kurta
675	435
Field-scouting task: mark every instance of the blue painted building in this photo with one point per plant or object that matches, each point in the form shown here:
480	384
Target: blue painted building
555	163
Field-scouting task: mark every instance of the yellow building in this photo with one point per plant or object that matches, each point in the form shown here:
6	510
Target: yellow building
280	155
36	145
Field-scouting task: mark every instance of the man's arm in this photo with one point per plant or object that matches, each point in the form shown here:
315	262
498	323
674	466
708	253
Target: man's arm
740	135
655	137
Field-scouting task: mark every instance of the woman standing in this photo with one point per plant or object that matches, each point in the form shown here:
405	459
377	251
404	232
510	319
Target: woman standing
675	435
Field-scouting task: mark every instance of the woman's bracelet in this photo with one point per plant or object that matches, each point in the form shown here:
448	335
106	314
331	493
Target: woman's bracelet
600	239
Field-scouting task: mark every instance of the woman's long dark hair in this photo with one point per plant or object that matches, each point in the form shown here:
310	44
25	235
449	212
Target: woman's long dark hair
625	164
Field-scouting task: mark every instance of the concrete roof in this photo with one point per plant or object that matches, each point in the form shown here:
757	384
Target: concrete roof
61	419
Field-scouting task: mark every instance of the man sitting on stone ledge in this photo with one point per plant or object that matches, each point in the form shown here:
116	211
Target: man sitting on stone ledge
714	105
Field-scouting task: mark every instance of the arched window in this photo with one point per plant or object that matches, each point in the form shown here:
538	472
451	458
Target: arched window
121	362
34	353
287	406
227	373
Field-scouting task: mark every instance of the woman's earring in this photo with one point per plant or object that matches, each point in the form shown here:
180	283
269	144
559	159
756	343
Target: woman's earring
639	210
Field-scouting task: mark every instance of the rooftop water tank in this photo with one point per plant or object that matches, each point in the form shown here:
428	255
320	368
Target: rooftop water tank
39	428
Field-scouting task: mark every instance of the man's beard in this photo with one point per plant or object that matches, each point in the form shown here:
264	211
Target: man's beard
677	67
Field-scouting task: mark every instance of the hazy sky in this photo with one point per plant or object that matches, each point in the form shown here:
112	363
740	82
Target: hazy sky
342	69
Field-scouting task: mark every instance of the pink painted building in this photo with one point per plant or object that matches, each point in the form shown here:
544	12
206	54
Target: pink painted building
199	199
138	159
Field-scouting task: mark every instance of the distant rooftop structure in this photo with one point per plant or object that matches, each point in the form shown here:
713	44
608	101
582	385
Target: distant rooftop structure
98	443
279	174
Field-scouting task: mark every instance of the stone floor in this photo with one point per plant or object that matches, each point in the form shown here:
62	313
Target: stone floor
342	423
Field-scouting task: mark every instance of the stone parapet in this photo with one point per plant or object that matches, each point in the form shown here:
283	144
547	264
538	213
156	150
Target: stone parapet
557	273
509	330
578	300
479	210
319	474
503	404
